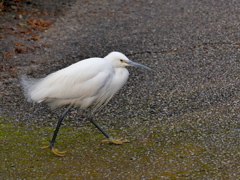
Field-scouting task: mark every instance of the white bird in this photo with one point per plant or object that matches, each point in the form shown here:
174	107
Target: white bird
88	83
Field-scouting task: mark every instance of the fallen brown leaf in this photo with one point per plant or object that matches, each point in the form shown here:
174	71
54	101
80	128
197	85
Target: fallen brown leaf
5	56
32	22
35	38
7	27
20	36
25	31
21	11
32	12
73	16
43	13
28	27
74	112
46	45
8	68
19	44
39	24
46	23
1	5
236	44
21	50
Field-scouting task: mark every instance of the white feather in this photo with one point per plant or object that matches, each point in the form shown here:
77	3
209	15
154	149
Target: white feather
90	82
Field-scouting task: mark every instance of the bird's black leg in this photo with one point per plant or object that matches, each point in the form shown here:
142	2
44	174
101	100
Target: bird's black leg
56	132
109	138
59	125
100	129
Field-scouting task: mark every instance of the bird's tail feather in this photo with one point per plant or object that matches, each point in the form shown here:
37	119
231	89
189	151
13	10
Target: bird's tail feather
28	84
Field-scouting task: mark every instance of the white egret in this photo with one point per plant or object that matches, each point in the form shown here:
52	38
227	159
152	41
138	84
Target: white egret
89	83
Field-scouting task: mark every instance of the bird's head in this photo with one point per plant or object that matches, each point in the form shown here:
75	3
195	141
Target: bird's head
119	60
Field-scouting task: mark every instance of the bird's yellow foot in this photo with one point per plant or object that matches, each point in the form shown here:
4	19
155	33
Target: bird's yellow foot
55	151
115	141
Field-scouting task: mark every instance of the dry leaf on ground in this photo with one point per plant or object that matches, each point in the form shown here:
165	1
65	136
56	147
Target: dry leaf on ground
35	38
5	56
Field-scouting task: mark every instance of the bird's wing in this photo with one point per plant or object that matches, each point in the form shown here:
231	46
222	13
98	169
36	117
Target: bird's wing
80	80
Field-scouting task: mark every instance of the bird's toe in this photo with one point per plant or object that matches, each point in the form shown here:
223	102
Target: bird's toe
55	151
116	141
58	153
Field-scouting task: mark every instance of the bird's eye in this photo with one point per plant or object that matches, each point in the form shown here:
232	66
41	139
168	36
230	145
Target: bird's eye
121	60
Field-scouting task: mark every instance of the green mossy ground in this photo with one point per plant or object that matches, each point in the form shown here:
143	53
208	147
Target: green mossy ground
151	157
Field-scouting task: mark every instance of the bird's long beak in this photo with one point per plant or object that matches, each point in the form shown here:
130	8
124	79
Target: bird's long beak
131	63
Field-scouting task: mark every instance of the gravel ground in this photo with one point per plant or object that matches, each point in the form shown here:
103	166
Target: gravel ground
192	95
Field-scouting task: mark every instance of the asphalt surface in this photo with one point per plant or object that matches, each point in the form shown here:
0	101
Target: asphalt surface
192	46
